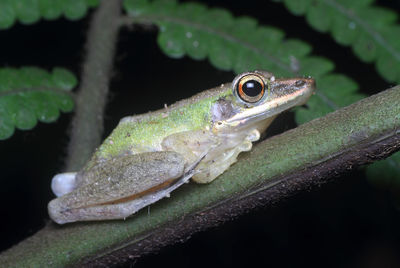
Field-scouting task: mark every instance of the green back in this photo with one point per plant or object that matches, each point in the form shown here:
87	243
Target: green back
144	133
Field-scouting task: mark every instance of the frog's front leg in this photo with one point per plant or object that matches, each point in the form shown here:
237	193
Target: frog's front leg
121	186
192	145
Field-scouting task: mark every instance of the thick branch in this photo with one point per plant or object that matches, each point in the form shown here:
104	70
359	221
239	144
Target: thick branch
292	161
87	124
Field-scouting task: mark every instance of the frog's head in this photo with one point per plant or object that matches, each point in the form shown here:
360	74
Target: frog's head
257	97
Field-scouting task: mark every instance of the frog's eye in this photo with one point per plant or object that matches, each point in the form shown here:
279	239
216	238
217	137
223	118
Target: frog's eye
250	88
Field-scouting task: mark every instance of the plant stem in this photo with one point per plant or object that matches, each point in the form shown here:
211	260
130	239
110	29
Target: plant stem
87	124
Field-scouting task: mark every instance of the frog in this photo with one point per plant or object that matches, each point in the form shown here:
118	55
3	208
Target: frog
148	156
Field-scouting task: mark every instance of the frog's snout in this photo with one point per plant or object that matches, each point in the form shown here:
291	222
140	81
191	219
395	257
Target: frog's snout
305	83
308	88
311	83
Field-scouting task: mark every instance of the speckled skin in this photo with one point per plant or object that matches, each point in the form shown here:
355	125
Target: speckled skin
148	156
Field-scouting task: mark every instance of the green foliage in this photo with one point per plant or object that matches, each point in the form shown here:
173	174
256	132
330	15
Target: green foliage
370	30
29	94
30	11
229	43
385	173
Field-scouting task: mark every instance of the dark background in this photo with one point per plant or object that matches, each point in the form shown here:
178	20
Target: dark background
346	223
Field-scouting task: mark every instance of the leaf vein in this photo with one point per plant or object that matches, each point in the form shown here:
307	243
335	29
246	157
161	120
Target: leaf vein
38	89
216	32
369	29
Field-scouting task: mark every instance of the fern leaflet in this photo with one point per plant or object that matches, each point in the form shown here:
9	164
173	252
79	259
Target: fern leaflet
370	30
31	11
29	94
385	173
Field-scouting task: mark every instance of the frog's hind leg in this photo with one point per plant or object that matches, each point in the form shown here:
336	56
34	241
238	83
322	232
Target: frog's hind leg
121	186
121	210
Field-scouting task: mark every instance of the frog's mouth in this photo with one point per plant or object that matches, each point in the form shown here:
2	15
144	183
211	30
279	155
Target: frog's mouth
284	94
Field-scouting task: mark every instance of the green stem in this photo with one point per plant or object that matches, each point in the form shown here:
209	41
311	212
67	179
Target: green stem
87	124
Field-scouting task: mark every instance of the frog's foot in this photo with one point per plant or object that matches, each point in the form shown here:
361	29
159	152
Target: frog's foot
63	183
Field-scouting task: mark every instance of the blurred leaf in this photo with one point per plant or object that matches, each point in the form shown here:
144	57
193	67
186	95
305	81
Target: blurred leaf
385	173
371	31
27	11
31	11
92	3
229	43
29	94
7	14
75	9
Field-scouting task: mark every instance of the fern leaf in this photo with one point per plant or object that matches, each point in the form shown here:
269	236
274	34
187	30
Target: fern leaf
192	29
30	11
385	173
198	32
370	30
29	94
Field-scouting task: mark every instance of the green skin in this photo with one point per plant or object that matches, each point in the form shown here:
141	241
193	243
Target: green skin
132	134
148	156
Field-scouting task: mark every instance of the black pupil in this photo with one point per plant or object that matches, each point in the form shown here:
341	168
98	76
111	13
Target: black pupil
252	88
